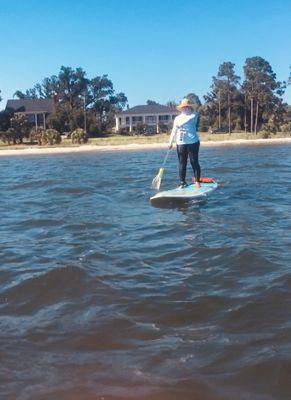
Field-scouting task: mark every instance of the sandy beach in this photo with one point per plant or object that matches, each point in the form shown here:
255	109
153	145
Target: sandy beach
33	150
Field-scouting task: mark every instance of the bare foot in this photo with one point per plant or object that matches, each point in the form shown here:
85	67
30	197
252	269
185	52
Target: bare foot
197	185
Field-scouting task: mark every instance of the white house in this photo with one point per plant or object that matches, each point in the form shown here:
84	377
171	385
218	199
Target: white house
152	115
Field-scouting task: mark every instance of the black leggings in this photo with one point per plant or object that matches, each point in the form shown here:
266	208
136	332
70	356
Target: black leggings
183	151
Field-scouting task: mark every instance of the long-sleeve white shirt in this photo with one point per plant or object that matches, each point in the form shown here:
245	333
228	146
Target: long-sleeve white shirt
185	129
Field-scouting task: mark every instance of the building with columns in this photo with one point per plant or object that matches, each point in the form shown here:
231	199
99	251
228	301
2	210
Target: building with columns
151	115
35	110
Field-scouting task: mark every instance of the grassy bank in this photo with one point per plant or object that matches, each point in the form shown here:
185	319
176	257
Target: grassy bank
115	140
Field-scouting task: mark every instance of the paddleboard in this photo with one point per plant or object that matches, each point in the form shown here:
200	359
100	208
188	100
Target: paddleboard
187	193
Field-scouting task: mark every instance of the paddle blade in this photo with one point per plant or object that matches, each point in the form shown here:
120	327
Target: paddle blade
156	182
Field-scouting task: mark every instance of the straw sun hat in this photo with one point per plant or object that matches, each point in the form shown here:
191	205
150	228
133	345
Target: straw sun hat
185	103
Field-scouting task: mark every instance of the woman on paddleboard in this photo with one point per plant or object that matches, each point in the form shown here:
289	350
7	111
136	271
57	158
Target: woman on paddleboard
184	133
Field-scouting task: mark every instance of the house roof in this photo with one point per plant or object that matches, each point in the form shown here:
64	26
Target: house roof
31	105
149	109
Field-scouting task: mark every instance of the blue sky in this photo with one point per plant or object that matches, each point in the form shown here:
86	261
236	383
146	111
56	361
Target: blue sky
151	49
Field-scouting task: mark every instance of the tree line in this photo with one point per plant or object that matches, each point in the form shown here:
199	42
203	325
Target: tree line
79	101
233	104
252	104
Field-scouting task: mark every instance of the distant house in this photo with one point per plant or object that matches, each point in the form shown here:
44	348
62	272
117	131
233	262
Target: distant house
36	110
152	115
288	114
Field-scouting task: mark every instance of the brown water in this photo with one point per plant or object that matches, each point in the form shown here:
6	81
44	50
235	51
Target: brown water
103	296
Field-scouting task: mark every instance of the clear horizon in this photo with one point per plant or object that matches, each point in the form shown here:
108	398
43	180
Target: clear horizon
150	50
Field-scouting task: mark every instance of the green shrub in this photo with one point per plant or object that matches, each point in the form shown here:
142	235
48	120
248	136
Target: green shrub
3	136
79	136
36	135
11	135
265	134
51	137
163	128
286	127
141	128
94	130
123	131
270	126
21	126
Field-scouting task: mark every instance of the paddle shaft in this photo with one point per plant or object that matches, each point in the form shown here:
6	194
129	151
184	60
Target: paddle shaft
166	158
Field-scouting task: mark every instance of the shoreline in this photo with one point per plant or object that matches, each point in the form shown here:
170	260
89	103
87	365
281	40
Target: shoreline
127	147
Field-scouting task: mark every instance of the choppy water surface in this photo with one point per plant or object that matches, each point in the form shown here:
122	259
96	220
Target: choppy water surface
103	296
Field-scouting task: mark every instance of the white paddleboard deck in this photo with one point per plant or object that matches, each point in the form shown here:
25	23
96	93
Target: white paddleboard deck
189	192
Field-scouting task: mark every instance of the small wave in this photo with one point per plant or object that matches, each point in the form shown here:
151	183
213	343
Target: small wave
269	372
249	262
38	223
266	310
71	190
39	290
34	184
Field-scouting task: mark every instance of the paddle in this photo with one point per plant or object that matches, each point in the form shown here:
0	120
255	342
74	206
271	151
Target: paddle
156	182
